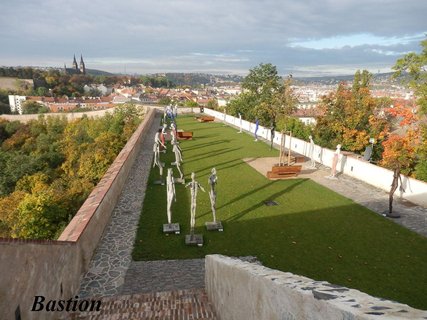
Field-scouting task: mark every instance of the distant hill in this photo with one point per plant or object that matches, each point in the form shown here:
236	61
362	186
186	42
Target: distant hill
197	79
386	76
94	72
14	83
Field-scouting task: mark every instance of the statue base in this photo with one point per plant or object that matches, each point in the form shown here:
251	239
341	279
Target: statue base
331	177
194	240
392	215
179	180
214	226
171	228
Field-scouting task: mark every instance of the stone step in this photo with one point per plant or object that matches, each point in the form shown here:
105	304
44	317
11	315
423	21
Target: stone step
188	304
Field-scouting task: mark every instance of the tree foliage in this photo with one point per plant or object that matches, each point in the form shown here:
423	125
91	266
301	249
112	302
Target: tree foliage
265	96
416	67
33	107
50	165
351	116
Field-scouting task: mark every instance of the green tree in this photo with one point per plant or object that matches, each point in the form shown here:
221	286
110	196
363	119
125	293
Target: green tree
164	101
212	104
42	91
264	96
298	128
415	66
40	215
33	107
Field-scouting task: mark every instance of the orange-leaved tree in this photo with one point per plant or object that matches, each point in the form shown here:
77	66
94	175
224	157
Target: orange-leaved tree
398	156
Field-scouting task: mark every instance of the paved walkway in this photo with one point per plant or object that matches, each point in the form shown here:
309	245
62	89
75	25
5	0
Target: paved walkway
112	258
167	275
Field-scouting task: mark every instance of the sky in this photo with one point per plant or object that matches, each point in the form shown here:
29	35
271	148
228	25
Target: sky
300	37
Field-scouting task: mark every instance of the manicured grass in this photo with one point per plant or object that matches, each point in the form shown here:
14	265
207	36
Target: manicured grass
312	232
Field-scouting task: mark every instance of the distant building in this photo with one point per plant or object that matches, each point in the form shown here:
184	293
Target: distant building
16	102
104	90
76	69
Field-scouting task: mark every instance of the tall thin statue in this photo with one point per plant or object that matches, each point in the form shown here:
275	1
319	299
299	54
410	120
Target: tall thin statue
194	186
213	179
158	140
178	160
171	195
156	162
311	153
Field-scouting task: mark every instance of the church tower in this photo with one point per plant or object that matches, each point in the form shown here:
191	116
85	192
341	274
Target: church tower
82	65
75	67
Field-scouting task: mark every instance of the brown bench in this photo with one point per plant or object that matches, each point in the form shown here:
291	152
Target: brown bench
296	157
185	135
283	172
205	119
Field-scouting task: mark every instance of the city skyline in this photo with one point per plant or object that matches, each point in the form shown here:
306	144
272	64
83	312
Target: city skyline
314	38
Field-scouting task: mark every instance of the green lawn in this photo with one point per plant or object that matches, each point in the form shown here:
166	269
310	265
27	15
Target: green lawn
312	232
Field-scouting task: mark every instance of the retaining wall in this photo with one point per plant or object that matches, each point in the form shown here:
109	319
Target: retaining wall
53	269
415	190
242	290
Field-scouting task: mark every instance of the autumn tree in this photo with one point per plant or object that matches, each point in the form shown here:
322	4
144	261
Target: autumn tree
398	156
49	166
351	116
415	67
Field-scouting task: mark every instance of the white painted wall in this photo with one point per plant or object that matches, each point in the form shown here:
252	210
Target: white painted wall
415	190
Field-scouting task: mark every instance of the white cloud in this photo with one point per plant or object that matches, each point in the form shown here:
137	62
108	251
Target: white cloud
354	40
211	34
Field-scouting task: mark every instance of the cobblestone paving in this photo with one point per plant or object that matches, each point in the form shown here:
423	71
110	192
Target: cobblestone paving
112	258
165	275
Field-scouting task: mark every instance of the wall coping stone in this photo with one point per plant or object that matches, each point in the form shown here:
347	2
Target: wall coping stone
299	296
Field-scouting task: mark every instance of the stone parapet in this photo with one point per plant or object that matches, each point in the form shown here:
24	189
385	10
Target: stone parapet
243	290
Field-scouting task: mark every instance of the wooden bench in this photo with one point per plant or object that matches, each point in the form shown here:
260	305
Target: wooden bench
296	157
300	158
283	172
205	119
185	135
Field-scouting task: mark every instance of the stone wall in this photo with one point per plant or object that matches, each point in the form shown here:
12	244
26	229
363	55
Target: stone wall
69	115
53	268
242	290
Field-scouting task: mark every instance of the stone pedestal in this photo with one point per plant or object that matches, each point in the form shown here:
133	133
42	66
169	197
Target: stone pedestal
214	226
179	180
171	228
194	240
